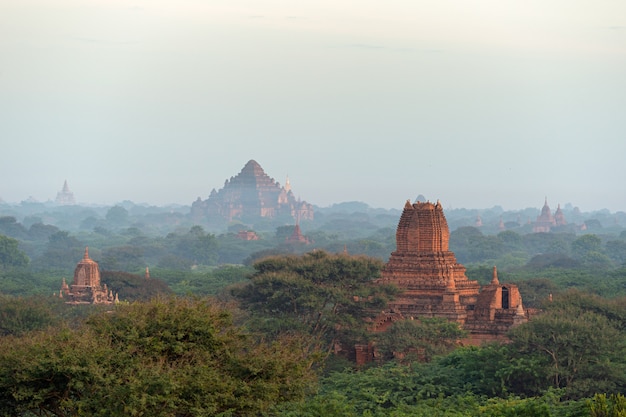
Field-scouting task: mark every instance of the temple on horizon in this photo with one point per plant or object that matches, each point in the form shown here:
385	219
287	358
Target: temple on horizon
65	197
252	194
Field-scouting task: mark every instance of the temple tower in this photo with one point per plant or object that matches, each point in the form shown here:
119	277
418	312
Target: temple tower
86	287
432	282
545	221
65	196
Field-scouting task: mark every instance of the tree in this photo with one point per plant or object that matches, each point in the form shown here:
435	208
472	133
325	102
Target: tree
322	295
21	315
586	244
62	252
10	255
123	258
191	248
131	287
616	250
163	358
420	339
117	215
580	346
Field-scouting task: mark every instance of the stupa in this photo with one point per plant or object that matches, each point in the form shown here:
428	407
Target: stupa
65	196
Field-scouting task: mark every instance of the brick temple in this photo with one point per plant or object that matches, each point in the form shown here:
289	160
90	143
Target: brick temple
252	194
546	221
433	284
86	287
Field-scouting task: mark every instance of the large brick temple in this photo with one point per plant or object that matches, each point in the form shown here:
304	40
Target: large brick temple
252	194
433	284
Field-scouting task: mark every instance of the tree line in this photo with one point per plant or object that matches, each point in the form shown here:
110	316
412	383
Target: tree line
279	345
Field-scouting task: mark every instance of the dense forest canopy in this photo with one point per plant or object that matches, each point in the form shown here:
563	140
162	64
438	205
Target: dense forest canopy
219	325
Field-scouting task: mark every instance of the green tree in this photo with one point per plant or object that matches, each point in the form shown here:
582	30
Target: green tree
123	258
616	250
62	252
10	254
419	339
191	248
586	244
582	350
21	315
322	295
117	216
164	358
612	406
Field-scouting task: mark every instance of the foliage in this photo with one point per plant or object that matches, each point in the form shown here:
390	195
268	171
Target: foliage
132	287
419	339
581	346
163	358
192	248
21	315
202	281
433	389
323	295
126	258
10	255
62	252
612	406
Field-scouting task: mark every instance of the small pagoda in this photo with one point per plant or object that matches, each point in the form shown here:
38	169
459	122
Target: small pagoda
65	197
86	287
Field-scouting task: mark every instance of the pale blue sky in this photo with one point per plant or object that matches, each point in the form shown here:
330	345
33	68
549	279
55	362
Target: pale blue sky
476	103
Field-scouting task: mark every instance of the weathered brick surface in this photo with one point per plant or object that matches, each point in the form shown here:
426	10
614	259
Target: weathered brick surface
434	284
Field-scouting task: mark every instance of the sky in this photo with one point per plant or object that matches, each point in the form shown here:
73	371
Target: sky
475	103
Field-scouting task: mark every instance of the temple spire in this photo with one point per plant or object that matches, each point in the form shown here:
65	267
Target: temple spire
287	184
494	278
86	255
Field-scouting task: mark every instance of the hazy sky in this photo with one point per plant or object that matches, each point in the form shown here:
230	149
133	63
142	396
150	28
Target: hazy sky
476	103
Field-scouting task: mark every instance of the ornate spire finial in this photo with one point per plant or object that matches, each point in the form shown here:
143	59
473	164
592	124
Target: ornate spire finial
494	279
287	184
86	255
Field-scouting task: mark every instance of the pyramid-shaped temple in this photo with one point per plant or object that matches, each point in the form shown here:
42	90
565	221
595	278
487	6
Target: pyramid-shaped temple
252	194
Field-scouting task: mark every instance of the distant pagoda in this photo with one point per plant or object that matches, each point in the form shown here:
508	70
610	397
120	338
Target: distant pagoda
546	221
65	197
86	287
252	194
